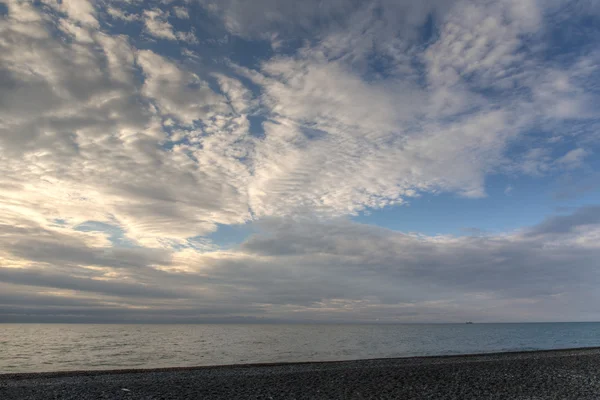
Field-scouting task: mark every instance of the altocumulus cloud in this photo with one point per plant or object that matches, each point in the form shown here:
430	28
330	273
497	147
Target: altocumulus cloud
150	123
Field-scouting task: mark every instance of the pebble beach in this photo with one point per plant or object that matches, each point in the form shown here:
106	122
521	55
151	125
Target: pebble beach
555	374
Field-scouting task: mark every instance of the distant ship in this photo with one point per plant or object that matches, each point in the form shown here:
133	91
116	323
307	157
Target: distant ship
468	322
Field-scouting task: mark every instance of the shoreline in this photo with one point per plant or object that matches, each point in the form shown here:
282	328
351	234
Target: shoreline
448	357
562	373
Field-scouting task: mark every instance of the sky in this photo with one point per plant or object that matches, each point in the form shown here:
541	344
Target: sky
280	161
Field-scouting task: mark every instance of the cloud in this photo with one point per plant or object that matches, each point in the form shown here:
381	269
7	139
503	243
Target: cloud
331	109
583	217
315	270
443	136
80	11
244	19
157	25
188	37
573	159
575	185
363	263
181	12
31	277
347	20
177	92
79	114
117	13
338	138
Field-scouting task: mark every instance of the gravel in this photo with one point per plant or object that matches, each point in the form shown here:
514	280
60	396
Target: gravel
557	374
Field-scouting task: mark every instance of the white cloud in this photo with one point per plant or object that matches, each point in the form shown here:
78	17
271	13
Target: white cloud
573	159
247	19
336	141
177	92
393	135
23	12
81	11
120	14
539	161
82	144
157	25
181	12
329	97
188	37
96	126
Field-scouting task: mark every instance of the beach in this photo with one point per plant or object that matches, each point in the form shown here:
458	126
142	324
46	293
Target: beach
555	374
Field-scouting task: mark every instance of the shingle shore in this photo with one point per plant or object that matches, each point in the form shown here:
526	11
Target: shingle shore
558	374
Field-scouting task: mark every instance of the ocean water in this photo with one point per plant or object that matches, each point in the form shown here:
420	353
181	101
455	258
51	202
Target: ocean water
55	347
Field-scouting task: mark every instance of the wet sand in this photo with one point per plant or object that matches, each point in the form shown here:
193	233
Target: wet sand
557	374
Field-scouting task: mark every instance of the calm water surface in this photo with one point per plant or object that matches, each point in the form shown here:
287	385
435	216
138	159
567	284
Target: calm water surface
49	347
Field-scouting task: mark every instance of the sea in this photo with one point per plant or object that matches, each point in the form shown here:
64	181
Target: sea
71	347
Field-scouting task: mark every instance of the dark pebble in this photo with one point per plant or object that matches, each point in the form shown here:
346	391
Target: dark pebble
560	374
